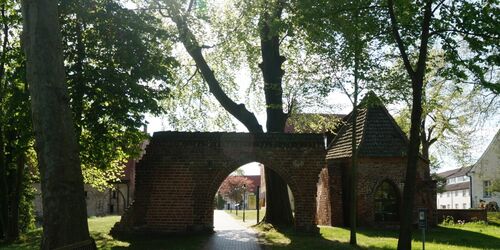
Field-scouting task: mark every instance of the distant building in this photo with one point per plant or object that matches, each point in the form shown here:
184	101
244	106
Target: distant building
469	187
113	200
250	199
484	172
99	203
456	193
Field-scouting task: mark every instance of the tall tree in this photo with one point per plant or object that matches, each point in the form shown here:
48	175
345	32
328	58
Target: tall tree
232	187
15	127
444	24
183	14
452	109
114	59
65	217
346	43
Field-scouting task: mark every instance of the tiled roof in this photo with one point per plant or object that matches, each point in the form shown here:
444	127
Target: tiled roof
378	135
457	186
455	172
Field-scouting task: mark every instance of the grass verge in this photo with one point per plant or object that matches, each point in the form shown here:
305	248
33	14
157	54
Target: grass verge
99	229
475	235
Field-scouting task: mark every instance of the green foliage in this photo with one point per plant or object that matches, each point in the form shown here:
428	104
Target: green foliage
313	123
118	68
495	185
344	34
26	206
448	220
452	110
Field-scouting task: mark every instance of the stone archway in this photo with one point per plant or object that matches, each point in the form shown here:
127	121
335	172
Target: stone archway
180	173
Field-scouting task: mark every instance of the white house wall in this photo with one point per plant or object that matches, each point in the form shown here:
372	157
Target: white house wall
98	202
487	168
458	199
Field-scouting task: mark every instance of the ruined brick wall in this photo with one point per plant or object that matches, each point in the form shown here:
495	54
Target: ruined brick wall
323	210
372	171
180	173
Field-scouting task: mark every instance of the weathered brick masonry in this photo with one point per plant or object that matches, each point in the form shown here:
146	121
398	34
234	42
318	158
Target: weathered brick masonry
381	147
180	173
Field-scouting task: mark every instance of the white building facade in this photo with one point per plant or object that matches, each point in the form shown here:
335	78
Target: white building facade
457	190
484	172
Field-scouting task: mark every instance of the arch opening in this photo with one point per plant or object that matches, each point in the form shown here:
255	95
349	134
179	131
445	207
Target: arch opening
243	191
386	202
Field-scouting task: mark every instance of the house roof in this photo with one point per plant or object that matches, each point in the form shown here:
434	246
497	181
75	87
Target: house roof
457	186
455	172
491	146
378	135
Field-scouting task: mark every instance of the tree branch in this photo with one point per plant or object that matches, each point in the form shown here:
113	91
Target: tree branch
399	41
436	32
189	41
424	39
438	5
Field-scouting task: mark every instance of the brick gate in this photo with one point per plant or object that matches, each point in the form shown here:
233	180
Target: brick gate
179	175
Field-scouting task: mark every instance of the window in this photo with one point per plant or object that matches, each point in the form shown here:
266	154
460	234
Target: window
441	195
464	192
464	206
448	206
486	189
386	202
443	206
456	192
452	180
456	205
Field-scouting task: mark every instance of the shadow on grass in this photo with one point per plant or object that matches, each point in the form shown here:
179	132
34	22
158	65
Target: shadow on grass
177	242
445	235
303	241
494	223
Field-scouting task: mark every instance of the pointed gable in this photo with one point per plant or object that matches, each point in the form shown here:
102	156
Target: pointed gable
378	135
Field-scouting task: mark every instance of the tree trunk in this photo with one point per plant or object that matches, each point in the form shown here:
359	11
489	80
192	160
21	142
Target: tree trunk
354	160
278	208
405	230
65	217
188	39
278	205
4	201
4	198
16	198
417	78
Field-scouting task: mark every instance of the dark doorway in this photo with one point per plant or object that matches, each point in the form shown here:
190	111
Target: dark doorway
386	203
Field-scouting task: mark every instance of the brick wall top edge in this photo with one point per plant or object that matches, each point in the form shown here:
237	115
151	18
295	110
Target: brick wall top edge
234	136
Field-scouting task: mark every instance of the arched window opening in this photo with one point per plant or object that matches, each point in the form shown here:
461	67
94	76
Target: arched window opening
386	203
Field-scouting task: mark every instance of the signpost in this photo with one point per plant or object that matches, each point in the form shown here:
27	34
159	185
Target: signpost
244	200
258	203
422	223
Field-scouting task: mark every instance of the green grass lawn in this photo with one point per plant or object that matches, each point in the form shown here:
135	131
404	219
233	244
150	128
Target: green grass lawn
476	235
250	216
99	228
468	236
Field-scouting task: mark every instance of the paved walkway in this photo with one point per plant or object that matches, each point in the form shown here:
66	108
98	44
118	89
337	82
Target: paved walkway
231	234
